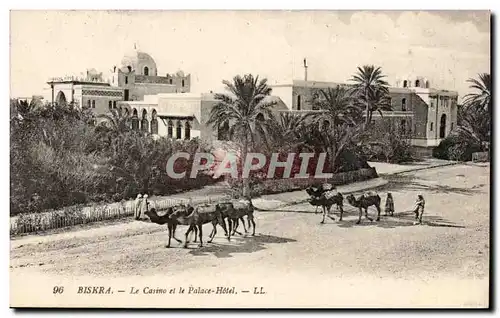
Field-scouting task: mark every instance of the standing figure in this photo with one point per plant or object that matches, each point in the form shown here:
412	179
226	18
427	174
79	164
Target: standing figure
389	204
144	207
419	208
137	206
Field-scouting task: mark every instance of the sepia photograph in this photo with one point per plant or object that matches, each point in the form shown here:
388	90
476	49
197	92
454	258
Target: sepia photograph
226	159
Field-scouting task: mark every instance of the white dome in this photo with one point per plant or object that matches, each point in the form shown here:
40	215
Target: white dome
138	61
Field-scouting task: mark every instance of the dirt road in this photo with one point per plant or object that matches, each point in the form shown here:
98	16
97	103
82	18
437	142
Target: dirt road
298	260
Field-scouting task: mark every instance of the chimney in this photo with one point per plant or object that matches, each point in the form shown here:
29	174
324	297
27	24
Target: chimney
305	70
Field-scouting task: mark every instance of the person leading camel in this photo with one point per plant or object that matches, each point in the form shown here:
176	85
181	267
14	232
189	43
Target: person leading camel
389	204
144	207
419	208
137	206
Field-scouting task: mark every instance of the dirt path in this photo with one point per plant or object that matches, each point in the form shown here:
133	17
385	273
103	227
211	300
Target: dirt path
452	247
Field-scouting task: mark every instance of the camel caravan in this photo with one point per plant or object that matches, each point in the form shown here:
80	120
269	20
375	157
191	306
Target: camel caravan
326	195
196	216
233	211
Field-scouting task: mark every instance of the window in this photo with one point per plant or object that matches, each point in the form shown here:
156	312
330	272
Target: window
144	121
432	126
146	70
187	131
298	102
403	127
417	83
170	81
451	126
114	104
154	123
110	105
129	68
93	103
405	83
427	84
88	103
126	79
182	83
135	120
403	104
170	129
179	130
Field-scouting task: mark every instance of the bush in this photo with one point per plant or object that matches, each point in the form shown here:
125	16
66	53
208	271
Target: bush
457	148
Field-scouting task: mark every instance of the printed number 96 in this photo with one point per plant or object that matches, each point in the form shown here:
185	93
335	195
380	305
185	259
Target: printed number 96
58	290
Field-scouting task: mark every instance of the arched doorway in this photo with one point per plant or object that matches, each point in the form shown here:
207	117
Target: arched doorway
442	126
146	70
61	99
154	122
135	120
179	130
170	129
187	131
144	121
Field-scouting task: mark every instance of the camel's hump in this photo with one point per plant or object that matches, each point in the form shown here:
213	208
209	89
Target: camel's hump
330	194
206	208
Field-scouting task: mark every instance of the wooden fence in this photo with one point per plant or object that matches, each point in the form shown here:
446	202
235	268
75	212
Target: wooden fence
76	215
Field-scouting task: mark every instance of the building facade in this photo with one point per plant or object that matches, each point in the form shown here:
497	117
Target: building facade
427	114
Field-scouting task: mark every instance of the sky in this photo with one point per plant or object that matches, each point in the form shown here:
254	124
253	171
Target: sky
446	47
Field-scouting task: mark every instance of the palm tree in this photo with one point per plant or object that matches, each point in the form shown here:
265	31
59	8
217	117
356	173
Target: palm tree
287	129
372	90
482	98
337	123
242	108
117	120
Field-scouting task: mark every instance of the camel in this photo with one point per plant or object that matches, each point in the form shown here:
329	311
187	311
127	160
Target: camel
196	216
240	209
317	191
165	219
326	201
363	202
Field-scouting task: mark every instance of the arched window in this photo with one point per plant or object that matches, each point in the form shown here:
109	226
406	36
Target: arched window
129	68
135	120
89	103
426	84
126	79
223	131
405	83
93	103
170	129
417	83
170	81
442	127
154	122
403	104
187	130
298	101
110	105
114	69
403	127
114	104
146	70
182	83
144	121
179	130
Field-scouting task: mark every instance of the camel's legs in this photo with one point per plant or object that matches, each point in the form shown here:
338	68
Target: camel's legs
378	212
244	227
170	233
366	215
324	213
420	217
200	230
235	226
214	231
187	237
174	227
250	219
341	211
360	214
329	212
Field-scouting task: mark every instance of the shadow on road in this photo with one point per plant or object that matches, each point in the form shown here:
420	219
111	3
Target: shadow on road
247	244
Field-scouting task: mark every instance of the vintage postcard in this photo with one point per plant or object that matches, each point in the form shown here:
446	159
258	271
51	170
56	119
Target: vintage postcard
250	159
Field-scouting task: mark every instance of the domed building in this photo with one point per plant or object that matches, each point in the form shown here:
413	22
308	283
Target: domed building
133	78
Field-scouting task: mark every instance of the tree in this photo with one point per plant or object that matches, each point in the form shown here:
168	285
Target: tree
247	100
287	130
371	90
117	121
337	124
482	97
